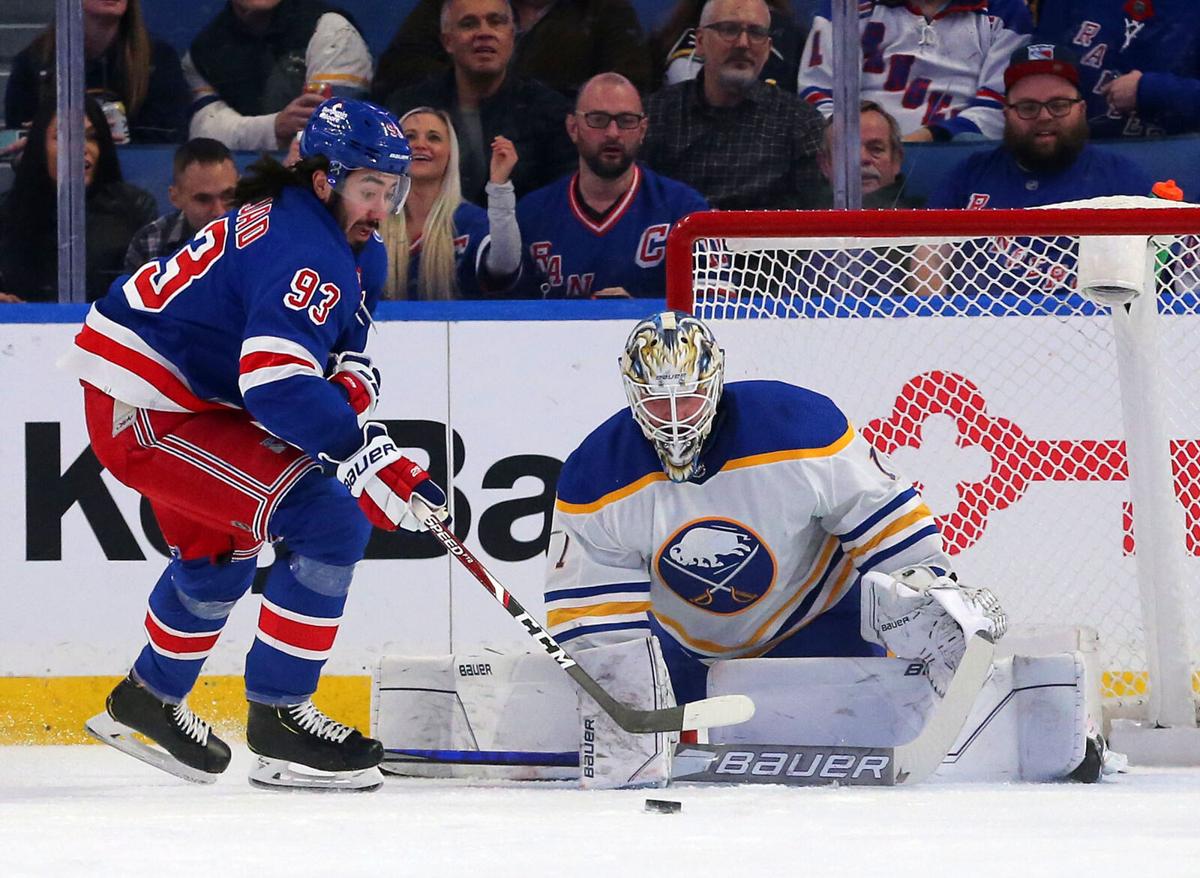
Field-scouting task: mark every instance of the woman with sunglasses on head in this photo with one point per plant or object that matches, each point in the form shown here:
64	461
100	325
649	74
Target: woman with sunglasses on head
442	247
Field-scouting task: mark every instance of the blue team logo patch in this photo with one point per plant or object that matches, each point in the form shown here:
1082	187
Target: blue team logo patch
716	564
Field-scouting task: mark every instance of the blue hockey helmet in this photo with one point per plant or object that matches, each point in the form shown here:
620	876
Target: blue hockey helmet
674	372
355	134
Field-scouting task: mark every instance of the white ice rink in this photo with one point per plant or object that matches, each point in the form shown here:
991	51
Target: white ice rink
92	811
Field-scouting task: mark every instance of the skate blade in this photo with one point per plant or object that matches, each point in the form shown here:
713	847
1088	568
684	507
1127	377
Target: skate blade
279	774
108	731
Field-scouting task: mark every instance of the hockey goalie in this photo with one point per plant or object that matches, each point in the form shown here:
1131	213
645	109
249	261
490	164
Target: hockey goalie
718	539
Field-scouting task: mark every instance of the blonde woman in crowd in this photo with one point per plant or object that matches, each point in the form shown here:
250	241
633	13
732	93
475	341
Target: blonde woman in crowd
442	247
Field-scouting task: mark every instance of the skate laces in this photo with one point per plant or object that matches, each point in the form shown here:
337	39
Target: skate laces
191	725
312	720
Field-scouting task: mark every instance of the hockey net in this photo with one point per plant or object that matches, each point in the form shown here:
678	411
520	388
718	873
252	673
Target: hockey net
1031	415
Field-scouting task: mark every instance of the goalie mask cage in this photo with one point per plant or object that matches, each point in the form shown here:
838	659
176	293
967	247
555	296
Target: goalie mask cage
1055	433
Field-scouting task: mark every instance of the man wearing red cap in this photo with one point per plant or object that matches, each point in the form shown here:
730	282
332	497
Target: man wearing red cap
1045	157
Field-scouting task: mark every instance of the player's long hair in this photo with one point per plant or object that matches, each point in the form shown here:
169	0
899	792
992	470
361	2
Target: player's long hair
438	278
267	178
133	58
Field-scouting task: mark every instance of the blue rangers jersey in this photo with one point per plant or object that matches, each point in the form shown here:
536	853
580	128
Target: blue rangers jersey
245	316
793	505
471	240
570	254
946	73
1114	37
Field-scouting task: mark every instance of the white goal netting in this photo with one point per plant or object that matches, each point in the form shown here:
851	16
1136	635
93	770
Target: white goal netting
960	345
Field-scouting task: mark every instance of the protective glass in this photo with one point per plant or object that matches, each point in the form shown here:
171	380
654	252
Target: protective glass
374	189
729	31
600	119
1057	107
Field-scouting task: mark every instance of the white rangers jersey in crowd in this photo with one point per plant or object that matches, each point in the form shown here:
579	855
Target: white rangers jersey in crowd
945	73
792	506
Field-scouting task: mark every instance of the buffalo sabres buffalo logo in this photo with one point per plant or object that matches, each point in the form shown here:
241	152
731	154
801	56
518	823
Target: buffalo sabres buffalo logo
716	564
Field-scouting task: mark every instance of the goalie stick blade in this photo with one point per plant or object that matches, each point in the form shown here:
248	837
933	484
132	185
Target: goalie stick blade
119	736
920	757
722	710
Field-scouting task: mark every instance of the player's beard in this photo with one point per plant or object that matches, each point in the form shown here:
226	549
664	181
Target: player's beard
1058	157
611	168
337	206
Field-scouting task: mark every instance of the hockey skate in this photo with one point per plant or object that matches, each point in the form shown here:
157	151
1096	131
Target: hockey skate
298	747
186	746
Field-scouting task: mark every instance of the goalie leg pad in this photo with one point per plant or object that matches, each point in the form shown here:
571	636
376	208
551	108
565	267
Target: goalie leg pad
634	673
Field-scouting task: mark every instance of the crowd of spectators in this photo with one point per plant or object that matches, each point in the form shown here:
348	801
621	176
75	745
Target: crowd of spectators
556	142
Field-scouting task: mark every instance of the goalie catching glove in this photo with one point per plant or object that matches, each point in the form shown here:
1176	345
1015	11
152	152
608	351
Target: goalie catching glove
360	381
391	489
922	614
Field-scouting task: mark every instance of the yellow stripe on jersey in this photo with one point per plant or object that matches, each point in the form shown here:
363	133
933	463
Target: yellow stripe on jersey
840	587
894	527
737	463
792	453
611	497
554	618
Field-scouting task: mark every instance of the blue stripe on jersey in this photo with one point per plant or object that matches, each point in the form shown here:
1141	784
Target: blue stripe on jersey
806	604
878	516
879	557
591	591
600	629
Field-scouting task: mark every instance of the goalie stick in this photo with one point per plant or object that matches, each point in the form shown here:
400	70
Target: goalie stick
724	710
804	765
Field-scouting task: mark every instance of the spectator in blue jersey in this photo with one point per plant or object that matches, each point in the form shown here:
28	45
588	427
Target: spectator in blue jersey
602	231
486	98
737	141
260	67
136	78
203	179
442	247
1045	157
1139	66
113	211
936	65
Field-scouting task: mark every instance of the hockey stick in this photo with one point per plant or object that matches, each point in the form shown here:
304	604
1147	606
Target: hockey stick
804	765
724	710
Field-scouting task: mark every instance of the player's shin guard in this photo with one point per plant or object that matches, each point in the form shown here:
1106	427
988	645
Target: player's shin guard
297	624
634	673
187	611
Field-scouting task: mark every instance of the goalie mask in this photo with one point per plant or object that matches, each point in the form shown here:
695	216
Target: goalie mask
354	134
673	373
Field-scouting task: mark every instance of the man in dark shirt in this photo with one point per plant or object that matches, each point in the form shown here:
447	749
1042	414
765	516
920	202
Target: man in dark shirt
880	159
739	142
485	99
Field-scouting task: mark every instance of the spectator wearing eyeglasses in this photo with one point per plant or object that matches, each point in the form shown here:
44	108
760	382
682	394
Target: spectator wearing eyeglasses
602	231
673	46
1045	157
936	65
1139	62
486	100
737	141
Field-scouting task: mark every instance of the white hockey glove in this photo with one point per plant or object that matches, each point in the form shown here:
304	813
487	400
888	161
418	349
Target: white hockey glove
922	614
391	489
360	380
635	673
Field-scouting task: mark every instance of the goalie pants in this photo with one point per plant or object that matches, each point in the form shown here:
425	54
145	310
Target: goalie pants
220	486
833	634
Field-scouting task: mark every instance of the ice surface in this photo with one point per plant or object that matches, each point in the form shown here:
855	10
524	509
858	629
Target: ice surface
93	811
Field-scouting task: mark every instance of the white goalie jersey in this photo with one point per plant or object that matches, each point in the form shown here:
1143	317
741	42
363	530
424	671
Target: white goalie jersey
791	507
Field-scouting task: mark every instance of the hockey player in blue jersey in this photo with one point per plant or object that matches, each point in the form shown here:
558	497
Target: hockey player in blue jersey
603	230
710	522
223	383
1139	62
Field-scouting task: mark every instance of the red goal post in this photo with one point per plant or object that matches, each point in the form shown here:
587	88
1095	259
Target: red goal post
1043	423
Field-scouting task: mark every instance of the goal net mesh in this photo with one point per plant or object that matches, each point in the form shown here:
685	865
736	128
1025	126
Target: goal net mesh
976	365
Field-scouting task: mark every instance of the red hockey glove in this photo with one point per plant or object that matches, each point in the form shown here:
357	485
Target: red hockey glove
391	489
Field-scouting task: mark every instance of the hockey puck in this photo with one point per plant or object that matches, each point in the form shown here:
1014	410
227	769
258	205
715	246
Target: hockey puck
663	806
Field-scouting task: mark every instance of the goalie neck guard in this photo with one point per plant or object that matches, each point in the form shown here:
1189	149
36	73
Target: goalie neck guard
673	373
357	134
